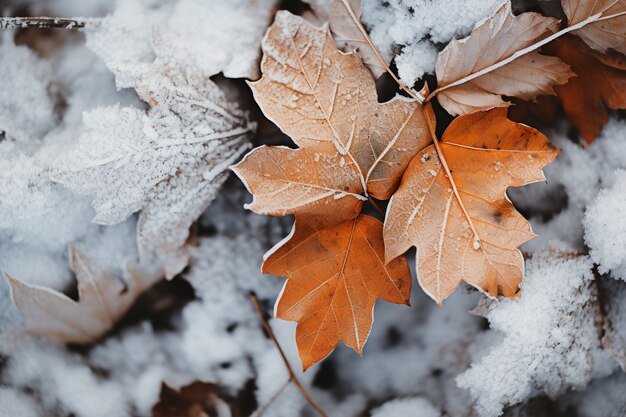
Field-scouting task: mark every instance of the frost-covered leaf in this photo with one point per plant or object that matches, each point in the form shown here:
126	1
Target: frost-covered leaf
103	299
214	36
341	15
465	227
168	162
550	336
493	40
605	33
335	275
315	93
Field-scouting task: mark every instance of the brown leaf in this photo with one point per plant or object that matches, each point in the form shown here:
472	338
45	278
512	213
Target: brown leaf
316	93
341	15
309	182
465	228
597	88
497	38
335	275
198	399
103	300
605	33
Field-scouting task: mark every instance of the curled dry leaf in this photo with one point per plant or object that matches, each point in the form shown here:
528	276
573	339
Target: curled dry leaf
103	299
342	16
597	87
465	227
169	162
198	399
316	93
495	39
335	275
606	32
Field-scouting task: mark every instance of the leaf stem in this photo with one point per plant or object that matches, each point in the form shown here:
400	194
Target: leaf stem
430	121
376	206
292	375
366	37
44	22
591	19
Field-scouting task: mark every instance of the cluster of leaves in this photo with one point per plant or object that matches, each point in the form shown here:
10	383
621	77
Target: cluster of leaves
447	196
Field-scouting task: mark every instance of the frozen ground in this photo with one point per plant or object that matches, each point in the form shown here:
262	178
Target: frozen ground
80	153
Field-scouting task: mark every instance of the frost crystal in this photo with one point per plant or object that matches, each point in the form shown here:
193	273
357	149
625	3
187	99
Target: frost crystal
168	162
605	228
26	108
550	336
204	34
417	26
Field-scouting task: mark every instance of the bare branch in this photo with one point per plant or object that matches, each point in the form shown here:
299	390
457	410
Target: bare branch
292	375
48	22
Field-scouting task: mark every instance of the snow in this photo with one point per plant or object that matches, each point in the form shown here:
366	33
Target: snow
577	175
407	407
140	90
16	403
208	35
550	335
605	228
26	106
417	27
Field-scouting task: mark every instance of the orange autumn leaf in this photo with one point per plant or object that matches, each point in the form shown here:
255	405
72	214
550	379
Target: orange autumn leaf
465	228
309	182
315	93
499	37
335	275
597	87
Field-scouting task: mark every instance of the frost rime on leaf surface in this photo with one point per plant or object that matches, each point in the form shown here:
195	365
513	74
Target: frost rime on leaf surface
26	109
214	36
168	162
550	336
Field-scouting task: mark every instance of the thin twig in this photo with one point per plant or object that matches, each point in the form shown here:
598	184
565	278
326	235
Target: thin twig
292	375
44	22
259	411
376	206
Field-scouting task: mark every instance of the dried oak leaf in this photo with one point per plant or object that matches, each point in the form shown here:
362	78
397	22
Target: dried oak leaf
342	16
316	93
493	40
103	299
198	399
169	162
597	87
608	31
335	275
465	227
